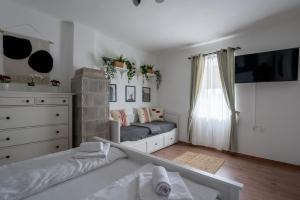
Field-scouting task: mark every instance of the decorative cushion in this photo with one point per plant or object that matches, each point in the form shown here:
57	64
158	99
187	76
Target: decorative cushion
157	114
144	115
121	116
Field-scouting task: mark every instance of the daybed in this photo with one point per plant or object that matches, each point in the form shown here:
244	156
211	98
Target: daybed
203	186
142	136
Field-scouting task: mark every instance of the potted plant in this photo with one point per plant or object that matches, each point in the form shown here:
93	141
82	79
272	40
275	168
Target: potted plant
120	61
144	71
157	78
150	69
33	78
4	80
131	70
110	70
55	83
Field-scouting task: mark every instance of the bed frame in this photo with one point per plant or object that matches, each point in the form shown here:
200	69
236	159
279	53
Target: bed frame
229	189
150	144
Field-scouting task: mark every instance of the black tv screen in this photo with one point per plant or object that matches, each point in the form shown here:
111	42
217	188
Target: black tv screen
281	65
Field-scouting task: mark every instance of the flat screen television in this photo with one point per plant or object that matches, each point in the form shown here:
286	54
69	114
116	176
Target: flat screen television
281	65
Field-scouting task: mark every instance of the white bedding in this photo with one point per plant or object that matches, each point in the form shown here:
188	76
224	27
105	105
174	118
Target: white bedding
23	179
87	184
126	188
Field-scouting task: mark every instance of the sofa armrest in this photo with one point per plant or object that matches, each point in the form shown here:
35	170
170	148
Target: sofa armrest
115	131
172	117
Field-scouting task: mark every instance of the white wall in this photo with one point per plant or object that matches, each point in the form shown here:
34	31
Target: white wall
90	46
75	46
12	14
277	103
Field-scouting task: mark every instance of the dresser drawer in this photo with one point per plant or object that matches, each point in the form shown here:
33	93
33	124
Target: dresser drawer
16	101
14	117
27	151
155	144
170	138
51	101
28	135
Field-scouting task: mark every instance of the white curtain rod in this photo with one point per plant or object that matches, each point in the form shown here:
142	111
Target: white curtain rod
234	48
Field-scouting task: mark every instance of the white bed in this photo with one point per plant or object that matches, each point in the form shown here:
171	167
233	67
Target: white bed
85	185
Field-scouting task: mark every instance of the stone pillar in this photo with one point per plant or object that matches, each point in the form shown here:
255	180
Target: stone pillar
91	108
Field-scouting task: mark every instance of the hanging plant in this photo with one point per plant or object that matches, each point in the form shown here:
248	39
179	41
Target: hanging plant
157	78
144	71
120	61
150	69
131	70
110	70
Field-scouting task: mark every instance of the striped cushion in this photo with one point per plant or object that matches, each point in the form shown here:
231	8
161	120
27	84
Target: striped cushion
121	116
144	115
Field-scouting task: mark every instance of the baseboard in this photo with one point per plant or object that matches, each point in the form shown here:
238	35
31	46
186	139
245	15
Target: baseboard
245	156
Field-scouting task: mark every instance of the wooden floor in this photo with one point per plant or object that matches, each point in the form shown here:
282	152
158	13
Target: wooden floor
263	180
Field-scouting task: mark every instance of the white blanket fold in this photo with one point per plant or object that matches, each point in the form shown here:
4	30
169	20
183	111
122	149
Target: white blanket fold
179	190
91	147
160	181
23	179
99	154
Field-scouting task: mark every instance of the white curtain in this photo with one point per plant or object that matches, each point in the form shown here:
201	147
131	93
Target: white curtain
211	116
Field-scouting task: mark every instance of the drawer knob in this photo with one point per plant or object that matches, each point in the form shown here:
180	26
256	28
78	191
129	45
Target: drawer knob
57	146
57	115
57	132
27	101
7	157
64	101
8	118
8	139
42	100
156	144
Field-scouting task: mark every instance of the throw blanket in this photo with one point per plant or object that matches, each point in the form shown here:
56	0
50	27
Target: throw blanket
154	129
23	179
127	188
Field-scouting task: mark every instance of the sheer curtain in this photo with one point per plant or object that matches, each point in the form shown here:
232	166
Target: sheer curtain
211	116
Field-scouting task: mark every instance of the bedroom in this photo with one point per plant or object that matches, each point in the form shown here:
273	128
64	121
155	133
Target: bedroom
163	34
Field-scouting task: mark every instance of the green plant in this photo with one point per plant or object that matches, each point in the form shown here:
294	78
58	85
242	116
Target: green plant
131	70
110	71
121	59
144	71
158	78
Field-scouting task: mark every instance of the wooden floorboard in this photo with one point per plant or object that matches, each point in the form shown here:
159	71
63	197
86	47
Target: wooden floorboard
263	180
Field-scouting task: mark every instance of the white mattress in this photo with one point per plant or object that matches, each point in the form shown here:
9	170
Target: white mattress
85	185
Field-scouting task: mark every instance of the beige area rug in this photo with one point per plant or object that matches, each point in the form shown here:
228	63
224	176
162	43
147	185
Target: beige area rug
200	161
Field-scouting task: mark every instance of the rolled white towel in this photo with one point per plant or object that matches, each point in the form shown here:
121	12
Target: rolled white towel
98	154
179	189
91	147
160	181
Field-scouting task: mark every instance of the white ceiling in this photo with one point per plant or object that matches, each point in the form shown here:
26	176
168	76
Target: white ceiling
174	23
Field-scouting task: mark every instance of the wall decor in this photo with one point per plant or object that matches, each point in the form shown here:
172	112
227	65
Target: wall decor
23	56
130	93
122	64
146	94
112	93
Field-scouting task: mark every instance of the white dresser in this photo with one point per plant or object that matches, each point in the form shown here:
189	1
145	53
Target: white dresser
34	124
